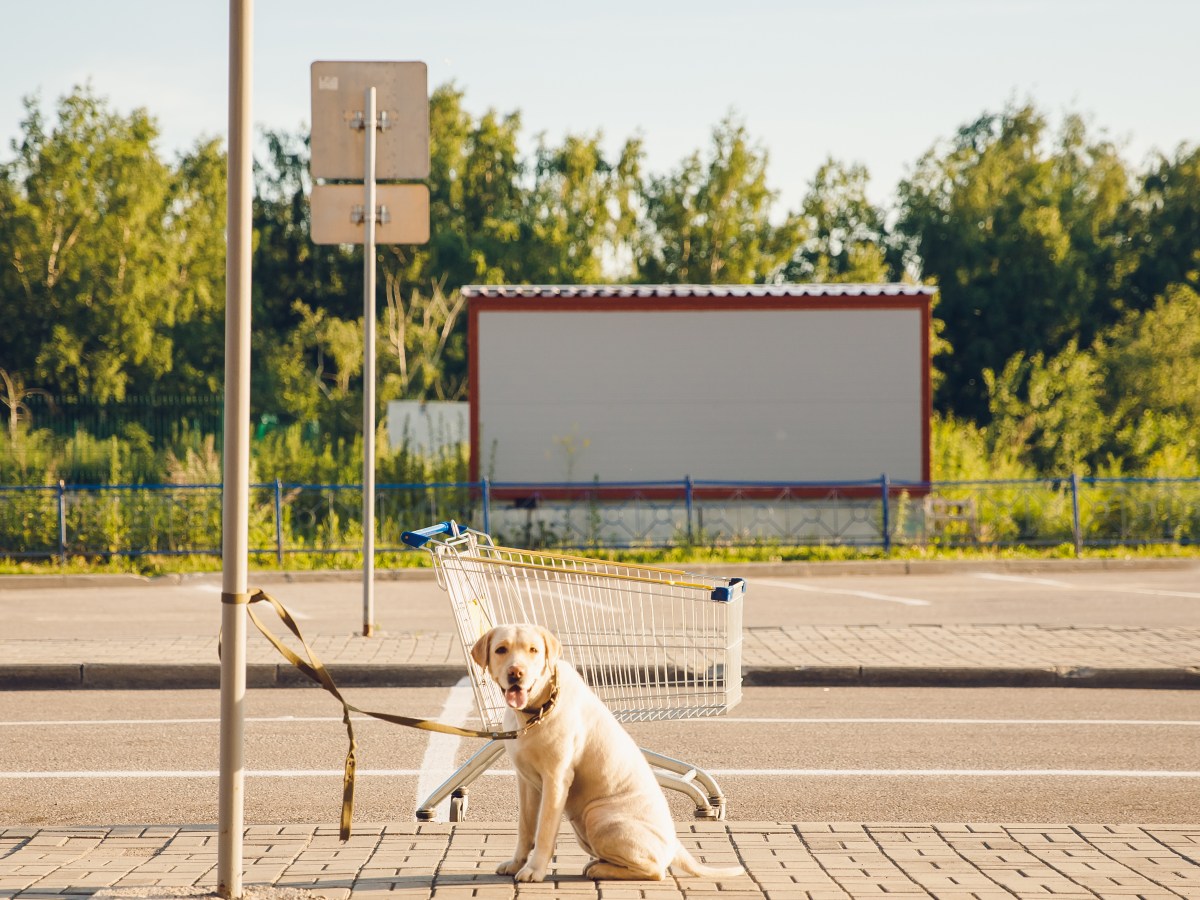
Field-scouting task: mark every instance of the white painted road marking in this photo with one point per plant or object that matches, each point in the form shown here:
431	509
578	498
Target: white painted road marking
733	720
1019	579
440	753
249	720
865	595
753	773
900	721
1097	588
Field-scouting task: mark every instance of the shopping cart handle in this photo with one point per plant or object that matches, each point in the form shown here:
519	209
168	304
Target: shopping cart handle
736	590
418	539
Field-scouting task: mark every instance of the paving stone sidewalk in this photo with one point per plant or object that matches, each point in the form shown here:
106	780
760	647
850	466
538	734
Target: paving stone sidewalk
814	861
981	655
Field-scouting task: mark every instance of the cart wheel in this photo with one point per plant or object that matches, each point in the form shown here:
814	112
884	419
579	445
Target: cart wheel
714	811
458	806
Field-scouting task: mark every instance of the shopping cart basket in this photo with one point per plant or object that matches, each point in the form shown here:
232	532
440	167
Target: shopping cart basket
653	643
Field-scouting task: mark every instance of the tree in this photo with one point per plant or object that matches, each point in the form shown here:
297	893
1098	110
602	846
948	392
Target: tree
1048	411
1152	360
418	339
1023	238
709	220
845	236
288	266
580	210
195	232
88	270
310	373
492	202
13	394
1165	229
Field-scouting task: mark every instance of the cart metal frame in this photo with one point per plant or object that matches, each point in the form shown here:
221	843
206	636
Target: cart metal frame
653	643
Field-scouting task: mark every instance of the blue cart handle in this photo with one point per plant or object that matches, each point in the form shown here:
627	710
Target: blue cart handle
418	539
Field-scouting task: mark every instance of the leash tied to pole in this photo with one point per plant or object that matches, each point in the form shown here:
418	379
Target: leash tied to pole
312	667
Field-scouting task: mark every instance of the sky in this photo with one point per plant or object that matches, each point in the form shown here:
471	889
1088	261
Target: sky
875	82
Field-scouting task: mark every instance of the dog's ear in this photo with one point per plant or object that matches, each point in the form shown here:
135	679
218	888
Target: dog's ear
482	649
553	647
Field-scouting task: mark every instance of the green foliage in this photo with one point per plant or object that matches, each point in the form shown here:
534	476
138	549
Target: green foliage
1022	234
1152	365
962	451
845	236
1048	411
1153	358
1164	229
90	269
28	456
709	221
423	355
195	230
1128	406
1066	335
579	209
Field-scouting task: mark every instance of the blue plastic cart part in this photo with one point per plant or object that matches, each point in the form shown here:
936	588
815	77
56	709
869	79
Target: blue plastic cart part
418	539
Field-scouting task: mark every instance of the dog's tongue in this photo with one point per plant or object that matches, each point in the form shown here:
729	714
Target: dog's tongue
516	697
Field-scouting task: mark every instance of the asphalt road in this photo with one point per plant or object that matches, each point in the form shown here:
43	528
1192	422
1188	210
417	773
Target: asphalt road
802	754
1142	596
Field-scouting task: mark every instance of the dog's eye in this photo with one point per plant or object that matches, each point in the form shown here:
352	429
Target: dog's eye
500	651
535	650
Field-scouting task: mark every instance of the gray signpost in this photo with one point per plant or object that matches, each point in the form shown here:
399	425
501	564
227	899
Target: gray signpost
370	122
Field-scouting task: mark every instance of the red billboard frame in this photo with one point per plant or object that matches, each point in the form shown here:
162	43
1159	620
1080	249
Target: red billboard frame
627	299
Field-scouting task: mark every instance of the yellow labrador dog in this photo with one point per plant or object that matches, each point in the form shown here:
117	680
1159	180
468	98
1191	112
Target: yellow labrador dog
578	760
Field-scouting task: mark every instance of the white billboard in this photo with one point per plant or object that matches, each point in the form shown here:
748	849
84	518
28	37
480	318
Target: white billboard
782	384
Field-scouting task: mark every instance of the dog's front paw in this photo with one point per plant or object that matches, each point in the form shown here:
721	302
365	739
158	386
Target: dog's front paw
529	873
508	868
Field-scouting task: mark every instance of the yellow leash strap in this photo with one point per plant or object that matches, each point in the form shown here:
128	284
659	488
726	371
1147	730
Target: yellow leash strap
315	670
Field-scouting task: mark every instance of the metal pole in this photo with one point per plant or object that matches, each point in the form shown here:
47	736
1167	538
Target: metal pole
369	123
235	502
688	502
885	485
1076	528
486	498
62	521
279	523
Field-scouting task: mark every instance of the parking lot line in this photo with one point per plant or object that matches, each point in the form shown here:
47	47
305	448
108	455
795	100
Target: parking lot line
453	717
99	774
865	595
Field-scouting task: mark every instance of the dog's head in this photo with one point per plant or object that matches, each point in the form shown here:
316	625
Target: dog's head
520	658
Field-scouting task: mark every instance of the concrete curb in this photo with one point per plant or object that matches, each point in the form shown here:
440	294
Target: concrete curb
206	676
1165	678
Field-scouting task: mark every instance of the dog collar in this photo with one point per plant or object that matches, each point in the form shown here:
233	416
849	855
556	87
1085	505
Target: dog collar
542	711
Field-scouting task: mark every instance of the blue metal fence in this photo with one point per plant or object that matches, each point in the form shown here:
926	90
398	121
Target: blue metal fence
101	520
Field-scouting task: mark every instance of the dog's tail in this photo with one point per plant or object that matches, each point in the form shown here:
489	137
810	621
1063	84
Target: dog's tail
686	864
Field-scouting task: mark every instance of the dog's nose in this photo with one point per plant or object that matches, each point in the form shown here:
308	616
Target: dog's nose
516	673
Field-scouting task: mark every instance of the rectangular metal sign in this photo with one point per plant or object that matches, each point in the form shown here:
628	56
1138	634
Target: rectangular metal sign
338	136
338	215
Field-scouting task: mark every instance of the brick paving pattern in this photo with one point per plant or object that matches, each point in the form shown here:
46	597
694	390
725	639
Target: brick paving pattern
784	861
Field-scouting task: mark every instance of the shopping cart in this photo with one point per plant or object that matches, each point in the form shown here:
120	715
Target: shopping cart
653	643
